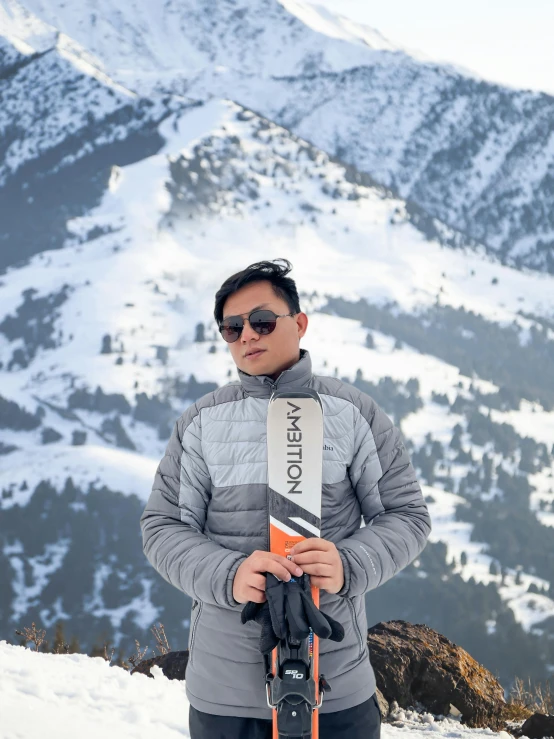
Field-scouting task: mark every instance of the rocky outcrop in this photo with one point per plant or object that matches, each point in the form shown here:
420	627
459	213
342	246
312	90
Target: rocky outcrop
415	664
172	664
537	726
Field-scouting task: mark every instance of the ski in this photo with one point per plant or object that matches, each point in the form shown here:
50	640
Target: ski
295	458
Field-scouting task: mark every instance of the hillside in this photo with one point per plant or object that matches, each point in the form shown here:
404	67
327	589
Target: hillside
474	155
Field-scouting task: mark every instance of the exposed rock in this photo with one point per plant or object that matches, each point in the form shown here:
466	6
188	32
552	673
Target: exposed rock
413	663
172	664
537	726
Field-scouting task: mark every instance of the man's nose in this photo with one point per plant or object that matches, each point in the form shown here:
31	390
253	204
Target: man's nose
248	332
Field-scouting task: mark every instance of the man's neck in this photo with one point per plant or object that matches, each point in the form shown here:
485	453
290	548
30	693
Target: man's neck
275	375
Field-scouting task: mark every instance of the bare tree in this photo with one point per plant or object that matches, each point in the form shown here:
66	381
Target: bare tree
138	656
162	644
32	634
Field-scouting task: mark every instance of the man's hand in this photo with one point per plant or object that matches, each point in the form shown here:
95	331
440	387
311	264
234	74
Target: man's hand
249	582
320	559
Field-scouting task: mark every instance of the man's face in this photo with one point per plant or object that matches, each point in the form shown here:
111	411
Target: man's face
272	353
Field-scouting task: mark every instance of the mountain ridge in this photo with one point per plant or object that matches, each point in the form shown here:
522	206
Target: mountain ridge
477	156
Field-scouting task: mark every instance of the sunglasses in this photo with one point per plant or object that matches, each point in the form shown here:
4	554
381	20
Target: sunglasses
262	321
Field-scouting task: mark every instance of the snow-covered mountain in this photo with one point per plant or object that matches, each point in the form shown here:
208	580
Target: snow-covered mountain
99	355
131	210
58	146
477	156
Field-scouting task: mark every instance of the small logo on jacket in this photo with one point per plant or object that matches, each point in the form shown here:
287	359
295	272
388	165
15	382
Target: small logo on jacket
327	448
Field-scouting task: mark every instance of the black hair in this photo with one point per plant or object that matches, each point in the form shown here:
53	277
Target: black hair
274	272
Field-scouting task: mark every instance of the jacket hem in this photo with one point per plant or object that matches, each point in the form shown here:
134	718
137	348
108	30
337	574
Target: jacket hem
329	706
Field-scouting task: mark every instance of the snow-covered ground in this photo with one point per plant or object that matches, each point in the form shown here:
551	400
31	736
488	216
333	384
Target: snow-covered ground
61	696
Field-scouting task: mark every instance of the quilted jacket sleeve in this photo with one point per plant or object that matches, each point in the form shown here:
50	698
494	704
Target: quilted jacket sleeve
173	522
397	521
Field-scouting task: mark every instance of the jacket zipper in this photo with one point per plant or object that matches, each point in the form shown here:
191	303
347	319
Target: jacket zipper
198	605
268	542
354	619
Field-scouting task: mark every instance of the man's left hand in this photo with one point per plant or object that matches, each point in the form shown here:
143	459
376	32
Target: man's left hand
320	559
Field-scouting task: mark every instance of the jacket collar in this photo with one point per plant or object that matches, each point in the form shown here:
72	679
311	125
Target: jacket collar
261	386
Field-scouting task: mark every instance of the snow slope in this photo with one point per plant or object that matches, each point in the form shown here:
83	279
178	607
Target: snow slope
55	696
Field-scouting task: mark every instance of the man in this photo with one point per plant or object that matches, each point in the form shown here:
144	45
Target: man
205	528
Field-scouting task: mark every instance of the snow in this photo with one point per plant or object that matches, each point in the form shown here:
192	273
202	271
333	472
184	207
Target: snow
122	471
529	420
332	25
18	23
56	696
61	695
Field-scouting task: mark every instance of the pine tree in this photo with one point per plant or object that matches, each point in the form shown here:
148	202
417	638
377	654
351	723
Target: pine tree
200	333
106	344
60	646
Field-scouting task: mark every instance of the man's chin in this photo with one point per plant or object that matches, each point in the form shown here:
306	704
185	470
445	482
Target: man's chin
257	371
258	367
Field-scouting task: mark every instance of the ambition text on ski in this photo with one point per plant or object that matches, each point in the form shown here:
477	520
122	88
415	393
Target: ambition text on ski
294	450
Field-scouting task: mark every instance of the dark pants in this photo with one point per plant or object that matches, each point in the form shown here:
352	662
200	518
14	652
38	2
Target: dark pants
360	722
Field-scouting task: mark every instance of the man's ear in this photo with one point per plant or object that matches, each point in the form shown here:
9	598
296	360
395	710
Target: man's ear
301	324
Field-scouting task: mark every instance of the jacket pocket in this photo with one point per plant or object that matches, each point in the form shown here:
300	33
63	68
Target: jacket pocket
361	647
196	610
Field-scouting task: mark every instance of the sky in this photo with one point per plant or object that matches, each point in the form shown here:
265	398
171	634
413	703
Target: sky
506	41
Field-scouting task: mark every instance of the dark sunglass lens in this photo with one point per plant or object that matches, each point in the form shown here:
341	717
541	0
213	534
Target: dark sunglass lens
231	329
263	321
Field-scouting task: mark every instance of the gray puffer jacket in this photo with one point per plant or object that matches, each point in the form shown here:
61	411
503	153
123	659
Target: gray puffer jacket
208	511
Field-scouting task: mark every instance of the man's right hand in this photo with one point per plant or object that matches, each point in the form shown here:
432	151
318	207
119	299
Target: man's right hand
249	582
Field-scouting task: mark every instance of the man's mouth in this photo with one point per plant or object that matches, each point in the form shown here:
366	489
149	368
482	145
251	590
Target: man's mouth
254	352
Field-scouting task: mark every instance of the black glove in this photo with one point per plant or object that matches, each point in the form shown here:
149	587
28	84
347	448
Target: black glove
289	611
